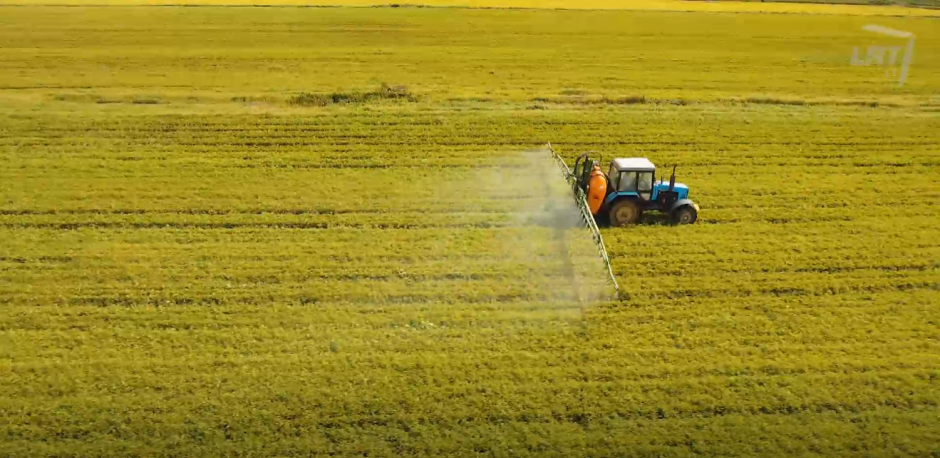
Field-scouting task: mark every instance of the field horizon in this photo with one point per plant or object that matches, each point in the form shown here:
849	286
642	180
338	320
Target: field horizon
701	6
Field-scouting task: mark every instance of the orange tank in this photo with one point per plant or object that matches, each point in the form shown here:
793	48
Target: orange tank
597	189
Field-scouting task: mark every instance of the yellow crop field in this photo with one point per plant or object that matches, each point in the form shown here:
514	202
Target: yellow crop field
292	231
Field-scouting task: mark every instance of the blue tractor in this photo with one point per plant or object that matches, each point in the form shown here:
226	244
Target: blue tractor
629	188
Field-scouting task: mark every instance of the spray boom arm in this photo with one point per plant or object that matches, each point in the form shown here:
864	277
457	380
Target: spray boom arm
581	198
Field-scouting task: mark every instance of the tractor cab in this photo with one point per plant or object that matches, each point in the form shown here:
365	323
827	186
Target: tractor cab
632	175
631	188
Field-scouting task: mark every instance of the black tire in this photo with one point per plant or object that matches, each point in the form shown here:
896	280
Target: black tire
624	212
685	214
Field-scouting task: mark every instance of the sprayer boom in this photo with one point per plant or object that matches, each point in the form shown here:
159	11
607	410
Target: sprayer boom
584	210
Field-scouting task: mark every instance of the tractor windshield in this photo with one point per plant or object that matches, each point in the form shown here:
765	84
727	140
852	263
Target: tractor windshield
627	181
645	185
646	181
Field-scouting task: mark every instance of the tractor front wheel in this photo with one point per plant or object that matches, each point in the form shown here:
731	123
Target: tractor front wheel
685	214
624	212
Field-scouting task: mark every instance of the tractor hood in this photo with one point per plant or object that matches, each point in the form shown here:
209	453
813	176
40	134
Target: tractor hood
680	188
664	185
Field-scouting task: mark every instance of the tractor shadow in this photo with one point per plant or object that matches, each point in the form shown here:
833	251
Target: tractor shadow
567	217
654	218
647	218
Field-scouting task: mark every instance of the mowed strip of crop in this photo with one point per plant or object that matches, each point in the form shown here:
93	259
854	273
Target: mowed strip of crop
194	278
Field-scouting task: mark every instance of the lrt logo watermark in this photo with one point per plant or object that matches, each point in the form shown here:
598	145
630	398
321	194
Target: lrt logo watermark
876	54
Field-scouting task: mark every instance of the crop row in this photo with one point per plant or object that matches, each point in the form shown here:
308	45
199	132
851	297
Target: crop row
413	198
189	288
701	435
708	125
408	220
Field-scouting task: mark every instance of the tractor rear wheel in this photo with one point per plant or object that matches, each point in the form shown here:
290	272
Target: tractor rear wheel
685	214
624	212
